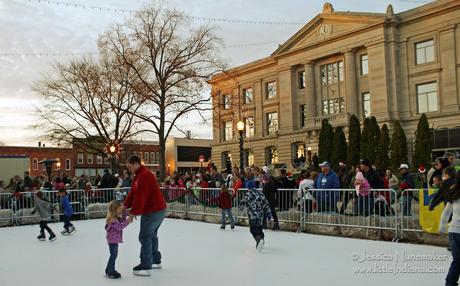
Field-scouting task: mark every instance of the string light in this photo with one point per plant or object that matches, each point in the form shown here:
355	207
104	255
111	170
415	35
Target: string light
96	54
125	11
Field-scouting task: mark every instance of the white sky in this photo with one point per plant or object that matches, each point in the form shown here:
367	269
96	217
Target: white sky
28	26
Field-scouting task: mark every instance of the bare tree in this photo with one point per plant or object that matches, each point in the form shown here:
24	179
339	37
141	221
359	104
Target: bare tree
88	103
172	60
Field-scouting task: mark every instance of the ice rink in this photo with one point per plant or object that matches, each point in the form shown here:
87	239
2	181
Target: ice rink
197	253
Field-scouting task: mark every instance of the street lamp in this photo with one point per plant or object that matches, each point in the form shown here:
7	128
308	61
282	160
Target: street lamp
201	163
169	170
112	149
58	165
240	126
48	165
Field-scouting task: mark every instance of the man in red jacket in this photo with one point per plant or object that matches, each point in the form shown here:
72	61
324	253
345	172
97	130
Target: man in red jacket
145	199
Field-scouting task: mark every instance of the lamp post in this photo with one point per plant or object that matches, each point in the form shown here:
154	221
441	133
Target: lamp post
112	149
49	166
240	126
58	165
169	170
201	159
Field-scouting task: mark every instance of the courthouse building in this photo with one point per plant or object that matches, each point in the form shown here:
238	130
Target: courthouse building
391	66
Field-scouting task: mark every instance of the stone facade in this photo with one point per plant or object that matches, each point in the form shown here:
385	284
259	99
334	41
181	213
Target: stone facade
391	66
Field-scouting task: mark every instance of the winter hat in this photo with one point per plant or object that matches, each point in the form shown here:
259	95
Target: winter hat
359	176
421	168
265	169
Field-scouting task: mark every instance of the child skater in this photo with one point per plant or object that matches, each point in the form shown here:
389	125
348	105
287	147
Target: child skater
115	223
453	208
43	207
67	211
258	207
225	204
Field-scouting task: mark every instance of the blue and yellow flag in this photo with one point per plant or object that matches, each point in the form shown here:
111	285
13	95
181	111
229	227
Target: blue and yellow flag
429	220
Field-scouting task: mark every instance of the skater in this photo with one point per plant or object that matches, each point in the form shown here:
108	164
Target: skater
67	211
270	192
225	204
43	207
453	208
115	223
258	207
145	199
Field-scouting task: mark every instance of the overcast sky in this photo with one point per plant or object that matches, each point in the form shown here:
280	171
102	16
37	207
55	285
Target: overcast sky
33	26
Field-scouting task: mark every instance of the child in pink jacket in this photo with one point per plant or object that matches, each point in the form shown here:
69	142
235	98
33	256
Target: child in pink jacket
115	223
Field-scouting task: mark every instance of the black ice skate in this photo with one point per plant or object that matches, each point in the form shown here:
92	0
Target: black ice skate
156	266
41	237
52	237
260	242
65	232
72	229
113	275
142	270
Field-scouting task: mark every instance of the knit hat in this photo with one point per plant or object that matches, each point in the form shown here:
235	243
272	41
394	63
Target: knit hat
359	176
421	168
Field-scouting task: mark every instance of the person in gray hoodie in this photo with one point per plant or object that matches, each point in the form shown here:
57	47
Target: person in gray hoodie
43	207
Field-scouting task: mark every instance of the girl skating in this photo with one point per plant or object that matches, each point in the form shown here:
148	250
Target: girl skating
43	207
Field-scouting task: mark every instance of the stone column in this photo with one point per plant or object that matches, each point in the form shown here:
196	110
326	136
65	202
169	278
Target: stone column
351	99
310	89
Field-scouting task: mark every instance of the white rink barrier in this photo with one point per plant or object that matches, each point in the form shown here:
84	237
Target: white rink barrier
341	208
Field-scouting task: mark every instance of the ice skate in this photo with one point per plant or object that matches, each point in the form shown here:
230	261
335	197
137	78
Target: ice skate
65	232
52	237
72	229
113	275
142	271
260	242
41	237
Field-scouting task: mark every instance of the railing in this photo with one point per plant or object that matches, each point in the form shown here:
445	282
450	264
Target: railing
379	210
410	211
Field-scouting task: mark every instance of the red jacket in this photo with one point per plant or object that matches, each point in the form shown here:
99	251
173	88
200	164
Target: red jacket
145	196
224	199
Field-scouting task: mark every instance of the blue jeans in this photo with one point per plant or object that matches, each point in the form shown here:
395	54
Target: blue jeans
454	270
229	213
150	223
113	249
67	222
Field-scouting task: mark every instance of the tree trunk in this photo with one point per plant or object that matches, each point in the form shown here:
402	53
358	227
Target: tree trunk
162	158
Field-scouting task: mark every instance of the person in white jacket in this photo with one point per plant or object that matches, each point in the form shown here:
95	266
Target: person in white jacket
453	208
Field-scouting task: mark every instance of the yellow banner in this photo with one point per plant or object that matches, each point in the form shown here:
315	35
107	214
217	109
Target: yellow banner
429	220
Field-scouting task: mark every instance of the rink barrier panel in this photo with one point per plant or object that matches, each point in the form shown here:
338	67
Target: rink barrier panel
410	211
291	207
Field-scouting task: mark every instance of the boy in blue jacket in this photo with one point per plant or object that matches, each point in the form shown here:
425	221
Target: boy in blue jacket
67	211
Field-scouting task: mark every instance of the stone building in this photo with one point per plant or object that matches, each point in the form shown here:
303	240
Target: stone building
391	66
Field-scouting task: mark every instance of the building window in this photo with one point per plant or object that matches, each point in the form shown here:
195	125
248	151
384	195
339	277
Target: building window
270	89
123	156
366	104
34	164
152	157
301	80
106	160
424	52
427	97
249	124
67	164
303	114
341	72
248	95
228	131
332	73
135	153
272	123
248	158
271	155
157	157
80	158
333	106
226	101
89	158
99	159
146	157
364	64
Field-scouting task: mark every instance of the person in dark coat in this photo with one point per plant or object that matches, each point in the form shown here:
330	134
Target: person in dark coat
286	193
270	191
440	196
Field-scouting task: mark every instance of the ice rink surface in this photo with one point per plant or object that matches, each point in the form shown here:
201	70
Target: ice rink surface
197	253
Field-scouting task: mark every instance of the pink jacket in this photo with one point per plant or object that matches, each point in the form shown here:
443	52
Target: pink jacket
115	230
362	189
